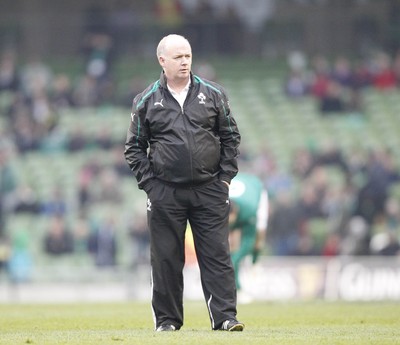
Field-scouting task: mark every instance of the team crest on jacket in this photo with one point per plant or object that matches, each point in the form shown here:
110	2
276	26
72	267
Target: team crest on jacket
201	97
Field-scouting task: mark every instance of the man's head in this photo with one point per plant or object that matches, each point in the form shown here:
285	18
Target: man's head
175	57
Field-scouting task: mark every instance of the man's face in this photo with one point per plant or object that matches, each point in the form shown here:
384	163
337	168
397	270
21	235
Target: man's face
176	60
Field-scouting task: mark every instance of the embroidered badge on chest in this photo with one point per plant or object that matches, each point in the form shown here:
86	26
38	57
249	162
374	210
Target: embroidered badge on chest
201	98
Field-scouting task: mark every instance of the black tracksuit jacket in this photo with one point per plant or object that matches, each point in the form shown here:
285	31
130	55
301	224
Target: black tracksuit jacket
188	146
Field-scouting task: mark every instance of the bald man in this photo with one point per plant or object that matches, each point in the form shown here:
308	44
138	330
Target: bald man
182	146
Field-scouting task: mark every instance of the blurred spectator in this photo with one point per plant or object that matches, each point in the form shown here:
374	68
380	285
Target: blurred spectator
386	230
332	245
56	205
81	233
309	207
103	243
98	51
97	86
356	237
103	139
297	61
22	124
321	77
284	224
296	85
20	262
319	179
384	77
361	75
119	163
108	188
77	139
302	163
5	252
278	180
9	79
55	141
379	175
58	238
264	163
43	112
61	92
330	155
356	161
8	178
140	238
385	243
337	205
342	72
8	182
86	92
87	175
36	76
332	98
26	200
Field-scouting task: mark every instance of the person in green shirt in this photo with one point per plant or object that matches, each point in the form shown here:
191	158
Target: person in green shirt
248	219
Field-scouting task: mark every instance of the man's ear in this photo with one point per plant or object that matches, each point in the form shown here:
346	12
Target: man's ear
161	61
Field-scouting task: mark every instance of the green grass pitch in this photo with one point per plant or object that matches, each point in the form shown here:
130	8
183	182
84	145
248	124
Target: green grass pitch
266	323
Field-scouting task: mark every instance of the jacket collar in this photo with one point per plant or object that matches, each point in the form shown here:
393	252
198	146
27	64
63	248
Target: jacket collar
163	80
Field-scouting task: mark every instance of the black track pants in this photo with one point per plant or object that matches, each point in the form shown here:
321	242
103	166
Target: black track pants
206	208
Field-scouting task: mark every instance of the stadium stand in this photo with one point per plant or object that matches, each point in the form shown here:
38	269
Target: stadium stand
267	118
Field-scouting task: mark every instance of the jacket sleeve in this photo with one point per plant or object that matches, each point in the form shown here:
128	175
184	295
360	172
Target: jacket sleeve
230	140
136	146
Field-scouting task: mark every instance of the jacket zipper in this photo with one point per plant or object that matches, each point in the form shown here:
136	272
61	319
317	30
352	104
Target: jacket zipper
189	144
185	124
189	138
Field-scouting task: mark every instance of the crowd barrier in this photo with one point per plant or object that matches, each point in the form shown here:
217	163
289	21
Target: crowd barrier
270	279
